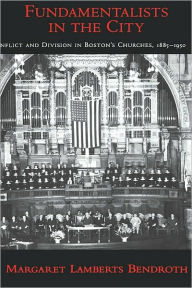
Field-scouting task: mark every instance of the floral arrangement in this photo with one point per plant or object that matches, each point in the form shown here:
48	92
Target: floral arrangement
124	230
58	235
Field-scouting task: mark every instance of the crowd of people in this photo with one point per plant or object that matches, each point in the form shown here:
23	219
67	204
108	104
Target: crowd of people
135	177
42	226
38	178
57	177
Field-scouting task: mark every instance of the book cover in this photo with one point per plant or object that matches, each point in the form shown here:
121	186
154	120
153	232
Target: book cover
96	154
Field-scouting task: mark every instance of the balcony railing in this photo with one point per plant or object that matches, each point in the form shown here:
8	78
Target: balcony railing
99	191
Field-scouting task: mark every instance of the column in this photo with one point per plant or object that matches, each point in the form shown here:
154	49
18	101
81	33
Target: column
186	155
104	92
53	132
30	146
121	145
104	120
19	112
52	100
154	123
69	97
121	100
19	123
165	142
154	107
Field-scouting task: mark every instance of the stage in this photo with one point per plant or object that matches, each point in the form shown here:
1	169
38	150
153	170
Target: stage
133	243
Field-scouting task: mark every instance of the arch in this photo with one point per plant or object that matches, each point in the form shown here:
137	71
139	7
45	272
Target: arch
175	88
87	70
60	99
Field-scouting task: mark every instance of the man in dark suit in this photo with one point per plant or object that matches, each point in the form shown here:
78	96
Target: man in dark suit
40	226
152	224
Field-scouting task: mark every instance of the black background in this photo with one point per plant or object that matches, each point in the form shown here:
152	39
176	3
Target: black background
96	257
176	28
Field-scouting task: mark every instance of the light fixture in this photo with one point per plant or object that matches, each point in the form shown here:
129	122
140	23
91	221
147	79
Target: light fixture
18	65
134	70
62	67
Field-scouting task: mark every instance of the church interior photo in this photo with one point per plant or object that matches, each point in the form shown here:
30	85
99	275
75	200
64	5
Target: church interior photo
96	151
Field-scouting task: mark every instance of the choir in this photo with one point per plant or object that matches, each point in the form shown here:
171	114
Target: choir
58	177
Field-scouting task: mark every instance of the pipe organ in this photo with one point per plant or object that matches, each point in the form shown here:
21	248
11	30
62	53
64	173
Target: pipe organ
135	105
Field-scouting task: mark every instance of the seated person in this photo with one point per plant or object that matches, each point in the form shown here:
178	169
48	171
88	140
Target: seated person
39	183
87	219
36	170
107	176
25	176
17	185
56	175
46	183
15	169
43	169
152	173
24	226
61	183
24	184
79	218
7	185
99	221
136	222
45	175
70	181
67	221
129	172
173	183
152	225
52	224
53	183
151	181
114	182
118	169
159	182
58	169
136	173
125	220
158	174
50	170
121	182
4	229
40	226
141	174
14	227
167	174
142	181
135	182
109	220
128	181
74	169
87	177
6	170
28	170
15	176
172	224
70	173
7	176
108	169
116	174
166	183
